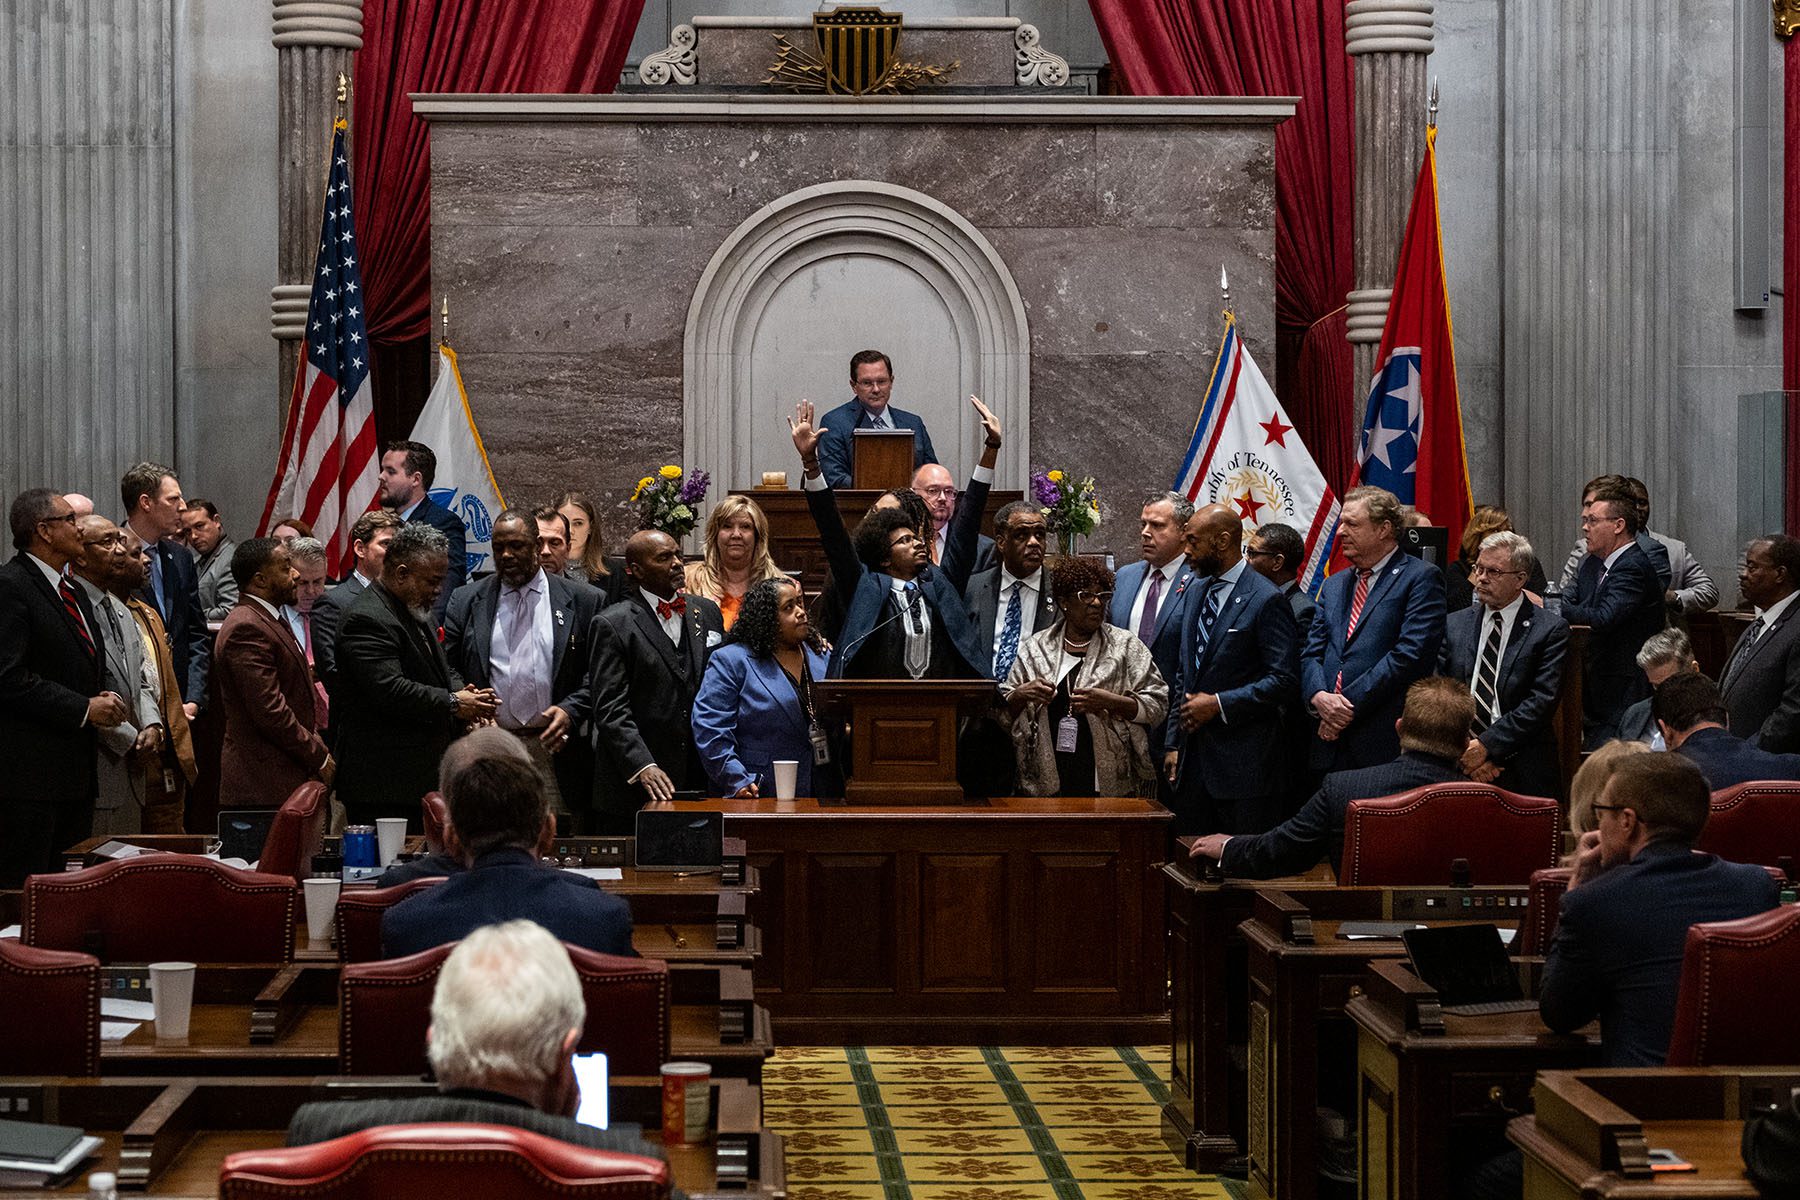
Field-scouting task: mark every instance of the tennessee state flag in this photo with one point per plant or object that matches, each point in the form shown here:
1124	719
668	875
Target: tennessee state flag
1412	437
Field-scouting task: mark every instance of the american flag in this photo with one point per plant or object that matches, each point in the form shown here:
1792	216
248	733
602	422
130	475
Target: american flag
329	473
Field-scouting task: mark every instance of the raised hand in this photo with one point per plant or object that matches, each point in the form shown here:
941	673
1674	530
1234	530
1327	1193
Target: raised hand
990	424
806	435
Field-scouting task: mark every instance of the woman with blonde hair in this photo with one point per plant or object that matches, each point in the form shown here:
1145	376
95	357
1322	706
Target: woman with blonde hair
1590	782
736	558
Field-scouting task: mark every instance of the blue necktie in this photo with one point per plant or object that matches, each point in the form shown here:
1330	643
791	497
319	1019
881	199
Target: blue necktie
156	579
1215	595
1008	649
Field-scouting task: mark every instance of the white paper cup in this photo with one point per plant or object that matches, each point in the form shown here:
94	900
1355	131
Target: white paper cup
390	836
787	777
321	906
172	996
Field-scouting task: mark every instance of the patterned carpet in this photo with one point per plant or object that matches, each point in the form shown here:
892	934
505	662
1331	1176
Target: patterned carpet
976	1123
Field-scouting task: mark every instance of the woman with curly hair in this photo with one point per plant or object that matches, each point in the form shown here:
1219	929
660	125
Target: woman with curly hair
1085	696
587	544
755	706
737	555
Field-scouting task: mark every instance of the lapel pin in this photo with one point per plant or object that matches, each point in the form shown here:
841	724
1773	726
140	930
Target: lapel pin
559	616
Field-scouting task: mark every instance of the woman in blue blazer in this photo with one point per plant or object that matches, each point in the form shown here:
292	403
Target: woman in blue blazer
755	704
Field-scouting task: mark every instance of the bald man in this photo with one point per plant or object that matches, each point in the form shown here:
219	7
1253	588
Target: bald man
1240	671
649	652
935	486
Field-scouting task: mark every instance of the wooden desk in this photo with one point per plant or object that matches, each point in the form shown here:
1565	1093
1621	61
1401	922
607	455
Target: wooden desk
283	1020
1428	1079
1003	922
169	1136
1592	1129
1203	1121
794	540
1301	976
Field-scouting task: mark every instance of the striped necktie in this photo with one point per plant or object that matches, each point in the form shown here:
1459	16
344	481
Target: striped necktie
1487	676
1209	612
67	593
1356	606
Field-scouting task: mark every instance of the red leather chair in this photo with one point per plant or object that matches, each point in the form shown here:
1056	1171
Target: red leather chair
429	1162
386	1007
296	834
1735	981
53	1001
163	906
1544	897
1412	838
435	814
1754	823
359	913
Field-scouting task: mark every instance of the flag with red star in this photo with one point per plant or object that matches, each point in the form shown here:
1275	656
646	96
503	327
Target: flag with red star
1245	452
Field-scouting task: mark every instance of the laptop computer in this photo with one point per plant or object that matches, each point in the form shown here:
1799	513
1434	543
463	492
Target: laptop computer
242	832
1468	967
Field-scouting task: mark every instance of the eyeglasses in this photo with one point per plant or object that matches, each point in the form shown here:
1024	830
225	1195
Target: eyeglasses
1253	552
1588	522
68	516
1600	808
1093	597
1481	572
115	538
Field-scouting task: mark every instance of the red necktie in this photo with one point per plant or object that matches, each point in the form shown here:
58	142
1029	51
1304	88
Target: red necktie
74	610
1356	606
668	608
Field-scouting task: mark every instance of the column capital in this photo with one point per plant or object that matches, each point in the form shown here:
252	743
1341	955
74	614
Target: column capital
1389	26
336	23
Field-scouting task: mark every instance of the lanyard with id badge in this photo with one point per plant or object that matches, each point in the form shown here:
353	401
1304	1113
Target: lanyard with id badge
1068	730
821	746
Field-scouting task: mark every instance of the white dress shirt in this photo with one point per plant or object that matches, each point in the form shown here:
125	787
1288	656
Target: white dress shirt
522	673
1168	571
1768	616
671	624
1029	589
1508	617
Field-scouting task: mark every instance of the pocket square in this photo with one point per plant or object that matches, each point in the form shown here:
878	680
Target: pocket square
713	638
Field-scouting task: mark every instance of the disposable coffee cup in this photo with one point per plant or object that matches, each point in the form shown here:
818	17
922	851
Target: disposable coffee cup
172	998
390	836
321	906
686	1102
787	778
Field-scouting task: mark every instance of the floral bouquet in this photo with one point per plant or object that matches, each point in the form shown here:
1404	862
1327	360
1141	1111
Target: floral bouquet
1071	509
669	501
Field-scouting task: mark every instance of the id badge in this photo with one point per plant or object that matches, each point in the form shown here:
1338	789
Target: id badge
1065	735
821	746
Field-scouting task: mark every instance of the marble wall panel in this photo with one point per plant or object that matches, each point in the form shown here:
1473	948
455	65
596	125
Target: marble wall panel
738	57
1039	176
986	56
716	174
1144	178
535	175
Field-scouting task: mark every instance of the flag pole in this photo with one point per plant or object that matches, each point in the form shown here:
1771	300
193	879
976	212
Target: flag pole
1431	110
1225	292
444	316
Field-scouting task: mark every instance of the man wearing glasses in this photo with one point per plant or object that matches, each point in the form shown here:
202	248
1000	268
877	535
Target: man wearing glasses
1007	604
1510	653
51	701
1619	597
1240	672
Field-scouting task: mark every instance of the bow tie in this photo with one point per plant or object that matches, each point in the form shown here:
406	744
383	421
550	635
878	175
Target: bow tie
668	608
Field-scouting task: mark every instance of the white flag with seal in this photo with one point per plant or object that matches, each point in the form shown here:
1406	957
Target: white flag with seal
464	483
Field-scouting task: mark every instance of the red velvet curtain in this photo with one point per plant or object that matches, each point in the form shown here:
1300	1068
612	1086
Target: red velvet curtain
571	46
1274	48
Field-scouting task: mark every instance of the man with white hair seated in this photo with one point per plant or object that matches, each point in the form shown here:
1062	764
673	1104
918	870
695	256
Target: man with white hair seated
505	1020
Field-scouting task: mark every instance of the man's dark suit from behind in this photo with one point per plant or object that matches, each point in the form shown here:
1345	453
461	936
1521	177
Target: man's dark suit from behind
648	656
1761	679
1433	732
499	818
1691	716
49	679
1618	596
1638	887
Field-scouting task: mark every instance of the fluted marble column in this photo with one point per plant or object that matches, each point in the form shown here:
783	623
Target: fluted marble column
314	41
1389	40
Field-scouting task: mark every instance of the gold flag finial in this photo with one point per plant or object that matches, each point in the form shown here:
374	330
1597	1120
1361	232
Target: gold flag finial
1787	18
343	88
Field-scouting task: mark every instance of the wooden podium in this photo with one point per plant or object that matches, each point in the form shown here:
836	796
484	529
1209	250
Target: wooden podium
881	458
903	735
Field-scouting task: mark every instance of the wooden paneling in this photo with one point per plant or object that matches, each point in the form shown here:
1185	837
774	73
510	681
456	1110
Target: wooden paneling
850	922
1075	902
962	917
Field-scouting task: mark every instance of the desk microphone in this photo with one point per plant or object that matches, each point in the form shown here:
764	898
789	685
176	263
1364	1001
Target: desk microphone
917	599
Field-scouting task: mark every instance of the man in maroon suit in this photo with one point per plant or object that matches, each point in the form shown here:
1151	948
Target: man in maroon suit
265	688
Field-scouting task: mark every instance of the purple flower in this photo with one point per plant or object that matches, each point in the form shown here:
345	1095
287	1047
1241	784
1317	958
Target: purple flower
693	488
1042	490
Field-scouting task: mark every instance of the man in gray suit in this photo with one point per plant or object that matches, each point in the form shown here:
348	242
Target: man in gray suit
1761	681
212	552
505	1020
108	565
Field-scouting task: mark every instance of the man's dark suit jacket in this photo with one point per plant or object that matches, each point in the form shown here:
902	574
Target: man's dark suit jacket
323	1120
642	688
1616	953
327	618
1622	607
1726	759
1317	829
1165	640
1395	646
394	711
190	642
508	885
1303	607
982	597
468	645
47	676
1638	724
865	595
451	526
265	694
1228	777
1761	685
837	455
1521	742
